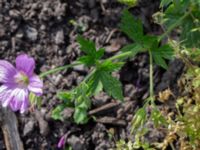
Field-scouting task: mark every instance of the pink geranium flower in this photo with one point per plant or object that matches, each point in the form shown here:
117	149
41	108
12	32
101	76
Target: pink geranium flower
17	83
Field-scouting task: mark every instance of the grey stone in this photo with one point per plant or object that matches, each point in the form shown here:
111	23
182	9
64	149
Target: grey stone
31	33
28	127
76	143
59	38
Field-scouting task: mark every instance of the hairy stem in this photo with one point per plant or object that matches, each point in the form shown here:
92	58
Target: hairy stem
121	55
151	91
89	75
42	75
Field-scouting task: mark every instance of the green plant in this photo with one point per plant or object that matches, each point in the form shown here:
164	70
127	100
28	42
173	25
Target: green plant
145	43
184	17
179	16
130	3
100	78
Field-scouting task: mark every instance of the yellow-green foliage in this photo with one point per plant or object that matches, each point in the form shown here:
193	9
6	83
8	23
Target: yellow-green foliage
130	3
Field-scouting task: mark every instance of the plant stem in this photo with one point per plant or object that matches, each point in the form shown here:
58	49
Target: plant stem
151	91
59	69
121	55
174	25
89	75
172	146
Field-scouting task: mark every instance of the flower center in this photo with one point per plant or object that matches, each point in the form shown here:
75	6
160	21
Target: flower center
22	79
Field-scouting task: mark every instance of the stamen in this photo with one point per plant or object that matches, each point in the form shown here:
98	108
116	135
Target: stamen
22	79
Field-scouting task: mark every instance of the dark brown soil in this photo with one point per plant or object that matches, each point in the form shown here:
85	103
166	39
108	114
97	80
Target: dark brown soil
44	29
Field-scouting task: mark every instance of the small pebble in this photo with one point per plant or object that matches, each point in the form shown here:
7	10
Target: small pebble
76	143
43	124
28	127
31	33
59	38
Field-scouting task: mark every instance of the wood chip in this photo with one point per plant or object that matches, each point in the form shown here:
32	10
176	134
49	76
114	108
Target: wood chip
112	121
8	122
104	108
43	124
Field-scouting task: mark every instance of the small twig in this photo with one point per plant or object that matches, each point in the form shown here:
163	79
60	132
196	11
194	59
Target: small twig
110	35
59	69
102	6
104	108
112	121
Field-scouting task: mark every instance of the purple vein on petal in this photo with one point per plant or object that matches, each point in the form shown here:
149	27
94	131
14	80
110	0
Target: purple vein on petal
35	85
7	72
19	97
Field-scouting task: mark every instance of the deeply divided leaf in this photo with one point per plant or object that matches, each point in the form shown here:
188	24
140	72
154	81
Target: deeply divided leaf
87	46
104	80
91	54
66	97
111	85
110	66
162	53
190	32
95	85
82	103
131	26
80	116
56	113
87	60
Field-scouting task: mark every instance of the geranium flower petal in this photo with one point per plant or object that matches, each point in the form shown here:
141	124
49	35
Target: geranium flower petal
7	72
15	105
4	93
18	83
35	85
3	88
26	64
20	96
7	97
24	106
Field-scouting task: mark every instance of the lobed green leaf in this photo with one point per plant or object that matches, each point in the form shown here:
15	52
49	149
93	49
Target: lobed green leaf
111	85
131	26
162	53
95	85
56	113
110	66
80	116
88	47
